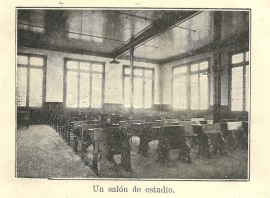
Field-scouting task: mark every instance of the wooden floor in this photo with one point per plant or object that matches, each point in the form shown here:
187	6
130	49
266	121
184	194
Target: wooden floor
41	153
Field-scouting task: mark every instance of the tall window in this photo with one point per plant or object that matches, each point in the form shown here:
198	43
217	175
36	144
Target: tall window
180	77
30	80
143	81
190	86
240	82
84	84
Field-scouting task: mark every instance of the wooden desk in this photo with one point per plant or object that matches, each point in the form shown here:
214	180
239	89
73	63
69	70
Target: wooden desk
234	134
118	142
197	120
86	139
167	122
172	137
146	135
210	134
76	132
98	137
189	134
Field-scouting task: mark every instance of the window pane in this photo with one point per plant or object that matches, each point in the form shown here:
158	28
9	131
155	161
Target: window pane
194	67
96	90
237	89
148	93
237	105
237	58
142	82
183	93
84	90
138	94
22	60
97	68
85	66
127	70
194	91
203	65
148	73
138	72
36	61
176	93
247	56
72	89
35	92
180	70
203	92
247	88
180	93
21	86
127	92
72	65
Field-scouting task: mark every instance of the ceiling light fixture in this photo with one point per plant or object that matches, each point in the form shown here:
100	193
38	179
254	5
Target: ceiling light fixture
114	61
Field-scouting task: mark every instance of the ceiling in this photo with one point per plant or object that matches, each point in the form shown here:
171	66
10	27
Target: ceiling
156	35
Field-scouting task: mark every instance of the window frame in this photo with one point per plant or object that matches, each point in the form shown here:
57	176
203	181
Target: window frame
188	83
78	83
244	63
143	89
28	66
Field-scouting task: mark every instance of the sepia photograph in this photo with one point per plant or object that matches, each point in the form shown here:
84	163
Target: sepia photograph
144	94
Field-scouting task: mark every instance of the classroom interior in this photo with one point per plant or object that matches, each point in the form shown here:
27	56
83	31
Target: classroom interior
172	84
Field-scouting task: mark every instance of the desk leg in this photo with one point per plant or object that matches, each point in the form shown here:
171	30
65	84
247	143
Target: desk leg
143	147
75	146
68	136
204	146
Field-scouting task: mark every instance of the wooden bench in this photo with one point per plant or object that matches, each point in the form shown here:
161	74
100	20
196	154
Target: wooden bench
210	134
172	137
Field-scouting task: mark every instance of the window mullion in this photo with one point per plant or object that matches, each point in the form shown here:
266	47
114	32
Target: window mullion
189	88
244	84
143	89
78	85
28	82
91	87
199	90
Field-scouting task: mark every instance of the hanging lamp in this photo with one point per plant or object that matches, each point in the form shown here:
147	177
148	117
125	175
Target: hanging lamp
114	61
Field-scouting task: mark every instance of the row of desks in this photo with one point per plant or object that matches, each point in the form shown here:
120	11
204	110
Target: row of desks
109	139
